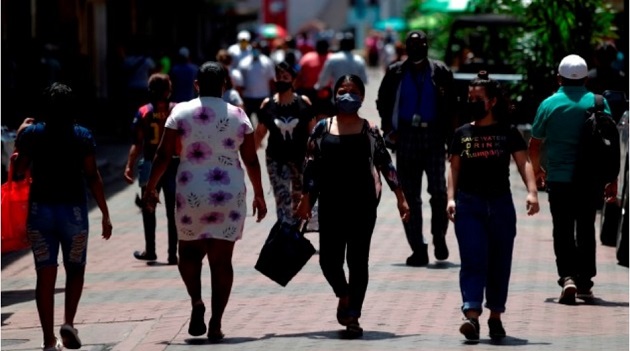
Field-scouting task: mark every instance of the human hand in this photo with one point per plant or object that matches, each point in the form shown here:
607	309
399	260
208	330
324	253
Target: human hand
403	209
390	139
150	198
532	204
27	122
107	228
610	192
128	175
541	178
303	211
260	207
450	210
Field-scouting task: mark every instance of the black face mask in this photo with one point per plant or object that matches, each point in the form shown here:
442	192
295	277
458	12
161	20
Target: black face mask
476	109
417	54
282	86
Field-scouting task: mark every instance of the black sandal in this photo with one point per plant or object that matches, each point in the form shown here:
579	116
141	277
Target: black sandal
215	335
197	325
214	331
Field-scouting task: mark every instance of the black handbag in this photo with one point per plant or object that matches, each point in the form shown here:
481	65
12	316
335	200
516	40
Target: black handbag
284	253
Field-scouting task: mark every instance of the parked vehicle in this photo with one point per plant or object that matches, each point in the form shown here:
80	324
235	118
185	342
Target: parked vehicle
614	218
484	42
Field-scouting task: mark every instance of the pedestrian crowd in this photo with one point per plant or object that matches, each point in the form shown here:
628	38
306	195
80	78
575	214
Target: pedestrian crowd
195	139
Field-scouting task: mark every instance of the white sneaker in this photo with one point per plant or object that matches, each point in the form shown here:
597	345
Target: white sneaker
57	347
567	297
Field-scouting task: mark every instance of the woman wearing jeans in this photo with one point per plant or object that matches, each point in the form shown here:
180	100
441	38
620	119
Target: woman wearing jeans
481	206
345	154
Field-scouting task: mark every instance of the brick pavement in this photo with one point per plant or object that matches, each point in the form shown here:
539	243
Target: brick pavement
128	305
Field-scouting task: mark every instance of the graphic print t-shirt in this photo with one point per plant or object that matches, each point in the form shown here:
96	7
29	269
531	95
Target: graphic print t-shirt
485	153
288	129
152	124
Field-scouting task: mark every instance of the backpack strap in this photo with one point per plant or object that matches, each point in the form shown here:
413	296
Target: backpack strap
599	102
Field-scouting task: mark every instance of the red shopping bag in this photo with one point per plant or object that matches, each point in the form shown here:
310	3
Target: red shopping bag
14	210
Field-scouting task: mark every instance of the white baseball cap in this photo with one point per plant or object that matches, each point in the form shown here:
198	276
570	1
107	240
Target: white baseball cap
573	67
243	35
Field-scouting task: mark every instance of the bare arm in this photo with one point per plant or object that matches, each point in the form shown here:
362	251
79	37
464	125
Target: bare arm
313	121
250	159
134	152
453	177
165	152
261	129
527	174
95	183
535	146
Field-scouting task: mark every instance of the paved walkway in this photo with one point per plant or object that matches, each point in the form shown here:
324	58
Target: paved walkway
128	305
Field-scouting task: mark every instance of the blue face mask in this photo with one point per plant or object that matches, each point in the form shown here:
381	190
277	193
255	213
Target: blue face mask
256	53
348	103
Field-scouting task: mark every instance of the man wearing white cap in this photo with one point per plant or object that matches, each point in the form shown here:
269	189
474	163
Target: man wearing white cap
241	48
558	124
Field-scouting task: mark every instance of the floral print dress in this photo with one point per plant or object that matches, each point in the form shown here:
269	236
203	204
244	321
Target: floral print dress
210	196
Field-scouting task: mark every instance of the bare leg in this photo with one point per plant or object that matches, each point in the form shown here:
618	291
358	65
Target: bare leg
74	288
190	258
190	269
45	299
222	277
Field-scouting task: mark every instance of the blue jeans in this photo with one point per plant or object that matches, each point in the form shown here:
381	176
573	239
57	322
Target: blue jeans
485	228
50	225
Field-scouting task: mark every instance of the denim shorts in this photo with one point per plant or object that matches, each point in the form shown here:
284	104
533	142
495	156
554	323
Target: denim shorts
50	225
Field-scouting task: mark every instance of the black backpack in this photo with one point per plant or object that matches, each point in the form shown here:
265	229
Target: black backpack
599	151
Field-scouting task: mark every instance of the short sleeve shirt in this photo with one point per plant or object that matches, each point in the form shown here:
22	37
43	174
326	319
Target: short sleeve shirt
559	122
485	153
57	162
288	129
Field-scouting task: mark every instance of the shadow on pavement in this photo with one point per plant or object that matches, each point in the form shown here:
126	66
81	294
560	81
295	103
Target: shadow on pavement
226	340
594	302
341	334
507	341
11	297
443	265
436	265
10	257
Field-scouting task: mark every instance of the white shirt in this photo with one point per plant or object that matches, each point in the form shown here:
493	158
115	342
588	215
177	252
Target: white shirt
340	64
256	76
237	53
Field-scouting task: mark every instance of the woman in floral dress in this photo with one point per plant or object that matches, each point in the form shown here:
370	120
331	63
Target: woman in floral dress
209	134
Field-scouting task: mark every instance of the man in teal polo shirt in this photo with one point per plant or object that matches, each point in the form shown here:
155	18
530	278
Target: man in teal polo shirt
557	125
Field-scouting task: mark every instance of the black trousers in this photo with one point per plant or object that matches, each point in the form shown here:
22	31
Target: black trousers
346	235
573	211
167	185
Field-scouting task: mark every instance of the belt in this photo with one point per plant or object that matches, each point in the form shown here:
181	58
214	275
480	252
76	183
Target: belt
422	125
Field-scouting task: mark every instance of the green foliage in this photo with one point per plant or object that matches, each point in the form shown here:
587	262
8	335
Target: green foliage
435	25
552	30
